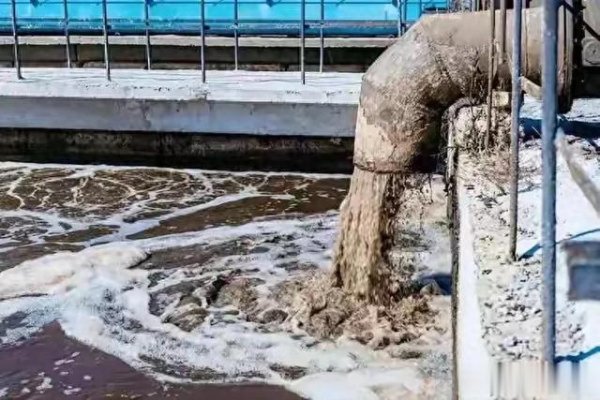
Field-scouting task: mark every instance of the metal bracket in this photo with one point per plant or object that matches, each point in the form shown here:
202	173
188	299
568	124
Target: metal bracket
583	261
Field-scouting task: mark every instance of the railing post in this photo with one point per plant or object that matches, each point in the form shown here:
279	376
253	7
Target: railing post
399	9
17	58
491	58
148	43
202	42
106	44
322	37
236	39
517	95
302	39
66	30
549	124
404	15
502	33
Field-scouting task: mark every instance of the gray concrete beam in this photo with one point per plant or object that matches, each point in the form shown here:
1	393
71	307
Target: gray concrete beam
253	103
341	54
211	41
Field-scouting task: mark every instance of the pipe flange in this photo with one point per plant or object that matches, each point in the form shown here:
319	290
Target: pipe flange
591	52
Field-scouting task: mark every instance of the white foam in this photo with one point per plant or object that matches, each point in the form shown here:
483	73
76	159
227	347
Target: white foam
87	170
164	199
363	384
45	385
63	361
71	391
100	300
61	272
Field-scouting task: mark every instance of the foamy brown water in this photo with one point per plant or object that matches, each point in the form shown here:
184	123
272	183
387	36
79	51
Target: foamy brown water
146	248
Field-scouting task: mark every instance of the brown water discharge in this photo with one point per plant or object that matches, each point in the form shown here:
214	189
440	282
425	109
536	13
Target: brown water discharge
404	94
367	214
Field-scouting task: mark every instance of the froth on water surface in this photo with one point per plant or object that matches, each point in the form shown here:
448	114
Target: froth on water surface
172	276
45	208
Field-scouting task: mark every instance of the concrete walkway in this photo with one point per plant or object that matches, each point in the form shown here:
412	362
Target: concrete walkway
231	102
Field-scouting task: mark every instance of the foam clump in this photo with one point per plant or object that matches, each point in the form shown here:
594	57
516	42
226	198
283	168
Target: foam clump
326	311
60	272
364	384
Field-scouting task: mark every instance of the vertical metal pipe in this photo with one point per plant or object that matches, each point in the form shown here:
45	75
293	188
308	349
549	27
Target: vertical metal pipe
148	43
302	39
517	94
404	15
66	30
322	37
492	45
502	34
420	9
203	41
17	57
236	38
106	44
549	125
399	6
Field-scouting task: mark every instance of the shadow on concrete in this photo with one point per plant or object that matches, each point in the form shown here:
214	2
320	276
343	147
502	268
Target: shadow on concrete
576	358
532	128
537	247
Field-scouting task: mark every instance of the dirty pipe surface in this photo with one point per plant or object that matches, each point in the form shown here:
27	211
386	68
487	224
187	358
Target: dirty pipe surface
404	94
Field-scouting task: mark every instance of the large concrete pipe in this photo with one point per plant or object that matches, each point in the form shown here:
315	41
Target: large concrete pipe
441	59
404	94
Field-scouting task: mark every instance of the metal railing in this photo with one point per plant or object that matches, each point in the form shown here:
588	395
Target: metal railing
549	127
235	18
552	138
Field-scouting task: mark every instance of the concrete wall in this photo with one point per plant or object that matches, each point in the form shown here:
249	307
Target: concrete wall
230	152
261	120
173	52
252	103
186	116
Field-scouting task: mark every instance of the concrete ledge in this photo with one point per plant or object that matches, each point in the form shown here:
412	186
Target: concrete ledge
177	52
254	103
211	41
